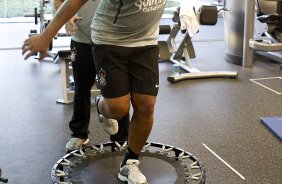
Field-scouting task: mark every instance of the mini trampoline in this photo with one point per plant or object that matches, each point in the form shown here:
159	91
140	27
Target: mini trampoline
100	164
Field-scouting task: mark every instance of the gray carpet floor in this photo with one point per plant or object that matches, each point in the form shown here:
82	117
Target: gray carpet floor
221	113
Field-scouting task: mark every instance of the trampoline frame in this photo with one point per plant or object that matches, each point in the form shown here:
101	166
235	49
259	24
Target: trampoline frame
194	172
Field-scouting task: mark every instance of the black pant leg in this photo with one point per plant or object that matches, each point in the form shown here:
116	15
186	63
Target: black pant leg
84	78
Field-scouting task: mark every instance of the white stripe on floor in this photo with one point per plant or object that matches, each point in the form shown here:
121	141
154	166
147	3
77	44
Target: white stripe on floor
241	176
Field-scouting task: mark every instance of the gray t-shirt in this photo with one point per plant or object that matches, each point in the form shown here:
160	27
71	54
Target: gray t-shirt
129	23
87	11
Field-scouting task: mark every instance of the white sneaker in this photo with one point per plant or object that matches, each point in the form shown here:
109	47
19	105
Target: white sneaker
110	126
75	144
131	173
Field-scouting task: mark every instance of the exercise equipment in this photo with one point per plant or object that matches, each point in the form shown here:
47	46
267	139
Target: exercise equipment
261	46
269	14
39	14
43	23
64	58
4	180
170	52
39	17
233	30
100	164
274	124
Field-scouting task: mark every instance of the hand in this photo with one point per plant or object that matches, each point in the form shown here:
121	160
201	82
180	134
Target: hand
71	27
38	43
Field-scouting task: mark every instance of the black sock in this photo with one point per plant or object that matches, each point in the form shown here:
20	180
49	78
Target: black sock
129	155
123	129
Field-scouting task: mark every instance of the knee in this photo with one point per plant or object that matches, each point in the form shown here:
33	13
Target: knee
116	108
144	108
118	111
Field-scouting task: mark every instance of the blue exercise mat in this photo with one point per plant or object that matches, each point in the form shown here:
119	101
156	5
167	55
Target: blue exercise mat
274	124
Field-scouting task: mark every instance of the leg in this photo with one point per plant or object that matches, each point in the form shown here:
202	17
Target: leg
141	122
143	67
108	108
125	74
144	83
84	77
117	128
123	130
115	108
112	79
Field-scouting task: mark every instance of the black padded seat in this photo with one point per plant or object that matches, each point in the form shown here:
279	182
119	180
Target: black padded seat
269	18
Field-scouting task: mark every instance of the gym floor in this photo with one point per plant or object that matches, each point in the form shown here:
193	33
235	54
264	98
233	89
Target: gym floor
221	113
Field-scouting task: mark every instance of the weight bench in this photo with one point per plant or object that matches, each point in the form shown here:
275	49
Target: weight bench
63	57
169	51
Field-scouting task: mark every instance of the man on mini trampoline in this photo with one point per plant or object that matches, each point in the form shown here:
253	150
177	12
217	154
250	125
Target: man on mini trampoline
84	77
124	36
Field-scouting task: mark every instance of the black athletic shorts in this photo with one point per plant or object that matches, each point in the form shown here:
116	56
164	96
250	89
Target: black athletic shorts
122	70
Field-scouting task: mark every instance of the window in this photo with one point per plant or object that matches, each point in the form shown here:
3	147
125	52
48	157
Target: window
170	8
15	10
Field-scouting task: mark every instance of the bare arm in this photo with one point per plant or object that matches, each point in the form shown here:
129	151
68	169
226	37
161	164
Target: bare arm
70	26
64	13
57	4
40	43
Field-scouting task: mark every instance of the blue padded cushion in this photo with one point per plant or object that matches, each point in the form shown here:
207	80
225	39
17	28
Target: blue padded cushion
274	124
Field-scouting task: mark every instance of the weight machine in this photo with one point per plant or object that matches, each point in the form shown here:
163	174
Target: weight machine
269	47
169	51
39	18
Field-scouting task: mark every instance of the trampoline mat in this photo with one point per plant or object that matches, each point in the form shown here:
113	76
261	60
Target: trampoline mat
99	164
104	168
274	124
